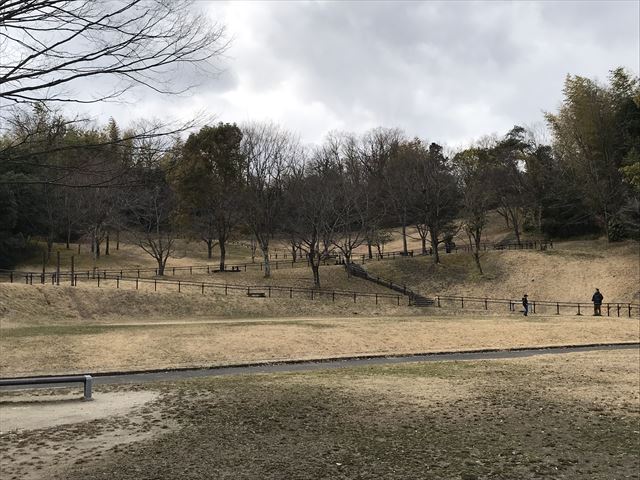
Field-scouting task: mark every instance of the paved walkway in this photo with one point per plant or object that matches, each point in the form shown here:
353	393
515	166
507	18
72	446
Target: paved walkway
310	365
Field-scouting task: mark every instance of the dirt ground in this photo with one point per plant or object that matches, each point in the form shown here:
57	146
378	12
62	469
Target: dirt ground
572	416
60	347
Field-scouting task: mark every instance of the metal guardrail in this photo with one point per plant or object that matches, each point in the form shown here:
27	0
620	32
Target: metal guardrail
87	380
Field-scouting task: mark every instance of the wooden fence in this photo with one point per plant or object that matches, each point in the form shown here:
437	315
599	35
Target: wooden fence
545	307
180	286
276	264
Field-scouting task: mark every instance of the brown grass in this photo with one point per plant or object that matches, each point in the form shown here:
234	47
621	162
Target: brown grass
569	272
568	416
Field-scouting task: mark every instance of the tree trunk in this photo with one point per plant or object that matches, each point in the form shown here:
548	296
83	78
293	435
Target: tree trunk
404	236
161	266
315	268
369	248
474	242
423	239
223	252
434	245
118	240
294	252
267	265
106	247
209	243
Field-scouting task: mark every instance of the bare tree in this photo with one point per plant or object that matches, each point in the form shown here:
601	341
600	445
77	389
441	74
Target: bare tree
50	45
149	218
310	205
269	153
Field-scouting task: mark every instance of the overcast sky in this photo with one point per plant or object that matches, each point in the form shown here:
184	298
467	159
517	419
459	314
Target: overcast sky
446	72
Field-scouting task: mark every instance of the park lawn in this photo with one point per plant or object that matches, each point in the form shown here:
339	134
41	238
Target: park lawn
571	416
130	343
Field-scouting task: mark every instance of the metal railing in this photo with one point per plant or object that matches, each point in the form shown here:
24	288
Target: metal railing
87	380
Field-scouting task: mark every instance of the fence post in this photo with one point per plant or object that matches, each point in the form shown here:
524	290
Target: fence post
438	298
533	304
579	310
155	285
485	304
376	298
178	286
269	292
203	288
190	270
291	293
73	271
11	277
354	297
58	267
117	282
136	284
557	308
98	280
225	288
618	309
333	296
462	301
398	297
312	294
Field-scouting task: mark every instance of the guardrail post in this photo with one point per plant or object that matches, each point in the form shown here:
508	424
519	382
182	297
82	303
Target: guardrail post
88	384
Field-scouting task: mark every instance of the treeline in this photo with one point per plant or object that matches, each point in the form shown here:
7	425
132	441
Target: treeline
61	180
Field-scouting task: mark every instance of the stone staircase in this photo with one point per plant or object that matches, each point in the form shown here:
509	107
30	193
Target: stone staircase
415	299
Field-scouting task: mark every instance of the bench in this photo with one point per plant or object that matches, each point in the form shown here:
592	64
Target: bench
256	294
87	380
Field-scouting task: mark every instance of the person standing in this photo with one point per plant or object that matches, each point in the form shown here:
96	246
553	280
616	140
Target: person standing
525	304
597	302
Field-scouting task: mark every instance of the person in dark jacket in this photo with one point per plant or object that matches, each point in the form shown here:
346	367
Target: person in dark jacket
525	304
597	302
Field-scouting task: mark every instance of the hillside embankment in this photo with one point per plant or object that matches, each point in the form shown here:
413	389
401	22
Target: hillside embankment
571	271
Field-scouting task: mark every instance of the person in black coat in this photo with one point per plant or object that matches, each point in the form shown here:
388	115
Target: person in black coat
597	302
525	304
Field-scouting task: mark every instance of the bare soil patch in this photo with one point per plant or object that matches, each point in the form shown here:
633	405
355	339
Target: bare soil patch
556	416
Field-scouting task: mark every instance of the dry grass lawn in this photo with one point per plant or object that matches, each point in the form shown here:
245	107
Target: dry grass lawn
571	416
569	272
55	330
